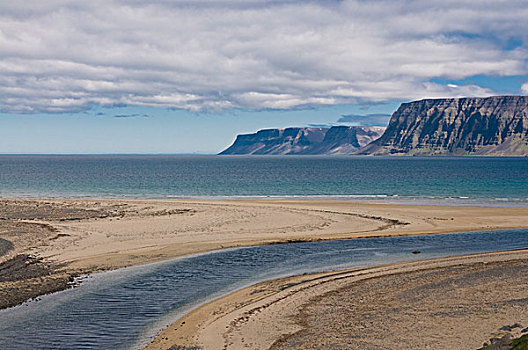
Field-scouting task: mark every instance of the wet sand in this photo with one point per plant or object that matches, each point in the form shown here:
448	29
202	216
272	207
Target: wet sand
448	303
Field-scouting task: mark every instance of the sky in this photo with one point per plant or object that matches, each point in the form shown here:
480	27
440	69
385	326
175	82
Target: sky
111	76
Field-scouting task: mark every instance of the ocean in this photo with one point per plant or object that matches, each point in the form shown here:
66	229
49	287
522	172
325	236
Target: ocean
473	180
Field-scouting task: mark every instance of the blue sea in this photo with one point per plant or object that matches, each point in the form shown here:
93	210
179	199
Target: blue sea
470	180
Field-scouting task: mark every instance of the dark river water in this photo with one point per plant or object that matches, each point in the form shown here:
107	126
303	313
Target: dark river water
124	309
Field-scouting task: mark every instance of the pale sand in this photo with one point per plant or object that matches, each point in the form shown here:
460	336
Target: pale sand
80	236
137	232
448	303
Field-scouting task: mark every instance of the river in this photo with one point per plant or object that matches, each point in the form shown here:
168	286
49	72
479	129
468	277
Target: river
125	308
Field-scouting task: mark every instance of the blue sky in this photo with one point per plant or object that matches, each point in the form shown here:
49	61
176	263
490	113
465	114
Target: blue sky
154	130
111	76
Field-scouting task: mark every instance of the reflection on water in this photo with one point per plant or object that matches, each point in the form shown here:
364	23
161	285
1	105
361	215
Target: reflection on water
123	309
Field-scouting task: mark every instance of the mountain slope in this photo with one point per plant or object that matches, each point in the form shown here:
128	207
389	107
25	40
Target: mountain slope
335	140
495	126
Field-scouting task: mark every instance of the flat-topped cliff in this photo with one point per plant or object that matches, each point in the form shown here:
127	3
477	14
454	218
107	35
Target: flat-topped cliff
495	126
334	140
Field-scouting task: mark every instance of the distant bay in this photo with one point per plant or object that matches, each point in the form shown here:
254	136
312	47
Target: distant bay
473	180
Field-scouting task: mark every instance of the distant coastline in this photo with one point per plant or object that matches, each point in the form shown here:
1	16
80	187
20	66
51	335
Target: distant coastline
491	126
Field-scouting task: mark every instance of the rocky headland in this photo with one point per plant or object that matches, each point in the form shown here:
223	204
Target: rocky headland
334	140
493	126
490	126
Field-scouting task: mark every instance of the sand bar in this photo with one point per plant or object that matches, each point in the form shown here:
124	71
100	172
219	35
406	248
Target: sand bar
447	303
44	242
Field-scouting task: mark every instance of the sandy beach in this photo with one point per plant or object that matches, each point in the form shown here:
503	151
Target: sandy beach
93	235
263	175
448	303
45	243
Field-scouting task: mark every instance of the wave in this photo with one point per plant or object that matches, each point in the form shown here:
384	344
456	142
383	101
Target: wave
374	198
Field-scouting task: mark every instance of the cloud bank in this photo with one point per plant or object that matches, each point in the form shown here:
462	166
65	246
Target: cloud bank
61	56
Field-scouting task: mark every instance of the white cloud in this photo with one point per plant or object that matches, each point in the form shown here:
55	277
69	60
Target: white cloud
524	88
65	56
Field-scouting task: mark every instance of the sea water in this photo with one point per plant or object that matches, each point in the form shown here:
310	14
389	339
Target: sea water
470	180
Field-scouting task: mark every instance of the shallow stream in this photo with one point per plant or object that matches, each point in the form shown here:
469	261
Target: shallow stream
125	308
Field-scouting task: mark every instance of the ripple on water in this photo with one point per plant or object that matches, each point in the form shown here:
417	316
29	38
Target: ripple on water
122	309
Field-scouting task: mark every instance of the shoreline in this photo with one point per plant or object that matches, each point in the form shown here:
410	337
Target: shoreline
260	316
373	199
63	238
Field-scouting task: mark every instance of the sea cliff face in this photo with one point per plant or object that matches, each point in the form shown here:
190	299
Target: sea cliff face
495	126
335	140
